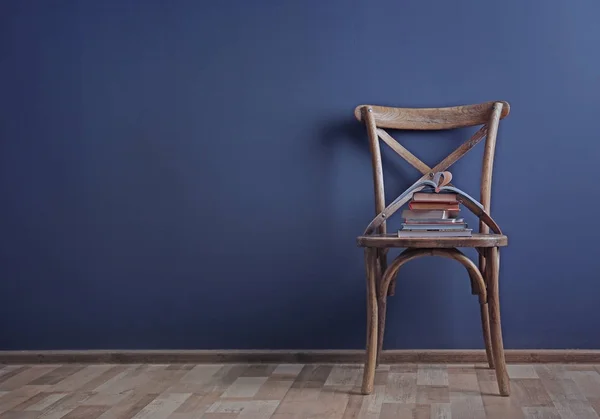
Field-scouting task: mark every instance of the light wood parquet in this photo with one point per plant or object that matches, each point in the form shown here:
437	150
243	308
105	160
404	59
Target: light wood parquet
295	391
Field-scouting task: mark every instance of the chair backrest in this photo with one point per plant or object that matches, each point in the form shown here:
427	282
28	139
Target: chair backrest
488	114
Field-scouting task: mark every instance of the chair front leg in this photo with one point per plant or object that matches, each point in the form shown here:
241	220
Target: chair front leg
381	301
493	268
372	321
485	314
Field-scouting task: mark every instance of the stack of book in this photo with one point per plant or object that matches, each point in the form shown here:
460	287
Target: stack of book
432	214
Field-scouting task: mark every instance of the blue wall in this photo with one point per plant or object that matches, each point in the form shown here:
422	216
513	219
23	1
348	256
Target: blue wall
188	174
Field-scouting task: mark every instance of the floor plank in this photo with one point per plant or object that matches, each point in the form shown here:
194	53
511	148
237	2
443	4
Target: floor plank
401	388
540	413
26	376
162	406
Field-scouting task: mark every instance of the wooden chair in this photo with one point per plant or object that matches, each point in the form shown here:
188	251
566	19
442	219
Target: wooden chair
381	276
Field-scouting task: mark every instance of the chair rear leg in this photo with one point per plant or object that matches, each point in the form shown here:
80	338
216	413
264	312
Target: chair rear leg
381	311
372	321
493	267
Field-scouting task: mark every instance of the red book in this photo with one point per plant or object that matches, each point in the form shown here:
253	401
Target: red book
433	206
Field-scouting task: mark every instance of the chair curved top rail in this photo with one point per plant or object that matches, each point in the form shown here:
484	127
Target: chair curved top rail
432	118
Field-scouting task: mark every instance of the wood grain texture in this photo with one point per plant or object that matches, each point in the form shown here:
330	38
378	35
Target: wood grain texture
488	156
493	268
521	371
42	401
432	375
454	254
376	165
392	240
452	158
487	169
487	334
498	407
86	412
25	377
540	413
354	406
466	405
372	404
424	390
381	313
431	118
372	321
130	407
378	183
378	117
401	388
245	387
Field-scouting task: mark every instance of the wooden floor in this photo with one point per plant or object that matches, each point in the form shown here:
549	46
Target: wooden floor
295	391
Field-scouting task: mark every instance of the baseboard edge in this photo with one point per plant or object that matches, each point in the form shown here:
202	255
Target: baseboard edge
292	356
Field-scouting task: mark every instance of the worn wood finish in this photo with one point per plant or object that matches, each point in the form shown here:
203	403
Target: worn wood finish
482	277
383	263
488	157
487	337
376	164
392	240
487	169
493	268
484	312
431	118
372	323
440	167
454	254
280	391
382	313
378	184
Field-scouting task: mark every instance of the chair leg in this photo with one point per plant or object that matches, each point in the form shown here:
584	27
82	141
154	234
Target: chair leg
372	321
493	267
487	337
381	302
485	314
381	311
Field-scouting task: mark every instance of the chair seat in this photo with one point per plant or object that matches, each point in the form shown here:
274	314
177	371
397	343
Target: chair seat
392	240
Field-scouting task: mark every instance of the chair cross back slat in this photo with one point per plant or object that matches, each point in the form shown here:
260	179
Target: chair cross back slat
377	117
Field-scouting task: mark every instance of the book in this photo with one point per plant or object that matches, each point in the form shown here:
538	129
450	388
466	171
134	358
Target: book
445	197
431	214
438	183
447	233
433	206
433	209
434	227
436	221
